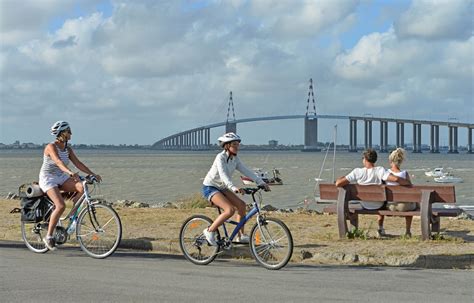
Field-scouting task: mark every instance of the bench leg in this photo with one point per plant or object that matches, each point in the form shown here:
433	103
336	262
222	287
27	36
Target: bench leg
342	212
426	214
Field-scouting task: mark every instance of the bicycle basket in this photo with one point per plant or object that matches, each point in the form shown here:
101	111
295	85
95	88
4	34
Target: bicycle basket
35	209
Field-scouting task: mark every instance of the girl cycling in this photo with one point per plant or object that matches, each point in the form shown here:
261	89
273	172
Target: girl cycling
219	189
55	175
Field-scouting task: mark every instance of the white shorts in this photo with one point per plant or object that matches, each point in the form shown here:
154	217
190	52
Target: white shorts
46	182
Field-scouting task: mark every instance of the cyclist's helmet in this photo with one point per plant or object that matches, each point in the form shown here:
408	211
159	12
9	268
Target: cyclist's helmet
227	138
58	127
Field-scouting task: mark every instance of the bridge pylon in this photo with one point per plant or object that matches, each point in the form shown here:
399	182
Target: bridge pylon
230	124
311	122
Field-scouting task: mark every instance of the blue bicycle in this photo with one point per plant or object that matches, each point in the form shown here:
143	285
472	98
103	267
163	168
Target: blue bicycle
271	243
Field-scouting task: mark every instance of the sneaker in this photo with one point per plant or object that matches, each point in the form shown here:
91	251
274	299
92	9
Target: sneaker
243	239
210	237
50	243
381	232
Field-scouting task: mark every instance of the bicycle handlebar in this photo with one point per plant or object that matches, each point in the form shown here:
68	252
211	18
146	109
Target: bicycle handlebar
253	190
89	179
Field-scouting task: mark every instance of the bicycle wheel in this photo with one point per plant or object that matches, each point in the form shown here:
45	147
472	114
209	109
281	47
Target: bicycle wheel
194	244
271	243
99	230
32	234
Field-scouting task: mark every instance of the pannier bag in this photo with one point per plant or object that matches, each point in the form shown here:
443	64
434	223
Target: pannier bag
34	209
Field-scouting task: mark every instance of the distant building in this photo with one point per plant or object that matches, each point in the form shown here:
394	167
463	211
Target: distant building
273	143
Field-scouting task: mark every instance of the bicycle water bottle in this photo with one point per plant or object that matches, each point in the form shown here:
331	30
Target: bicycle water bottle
72	227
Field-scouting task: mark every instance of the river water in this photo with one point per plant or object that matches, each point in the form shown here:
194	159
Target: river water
155	176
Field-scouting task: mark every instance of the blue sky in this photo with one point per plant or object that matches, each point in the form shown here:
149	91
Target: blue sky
132	72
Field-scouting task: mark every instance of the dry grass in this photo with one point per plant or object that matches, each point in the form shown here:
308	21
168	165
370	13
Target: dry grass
312	232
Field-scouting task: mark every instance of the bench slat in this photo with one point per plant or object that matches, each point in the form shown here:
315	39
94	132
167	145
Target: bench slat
375	193
356	208
441	193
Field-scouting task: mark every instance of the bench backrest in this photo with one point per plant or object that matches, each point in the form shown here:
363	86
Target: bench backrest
442	193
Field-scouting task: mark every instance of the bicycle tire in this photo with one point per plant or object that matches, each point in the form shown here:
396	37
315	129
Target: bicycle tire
32	234
272	244
91	231
194	244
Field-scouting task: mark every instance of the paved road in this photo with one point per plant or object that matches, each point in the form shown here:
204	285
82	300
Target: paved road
68	275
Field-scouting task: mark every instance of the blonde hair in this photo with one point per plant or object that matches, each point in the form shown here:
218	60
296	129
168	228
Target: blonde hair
397	156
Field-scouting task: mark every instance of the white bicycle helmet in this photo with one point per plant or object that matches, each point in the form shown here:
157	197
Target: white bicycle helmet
226	138
58	127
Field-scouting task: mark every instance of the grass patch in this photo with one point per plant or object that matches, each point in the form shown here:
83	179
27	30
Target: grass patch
194	201
357	233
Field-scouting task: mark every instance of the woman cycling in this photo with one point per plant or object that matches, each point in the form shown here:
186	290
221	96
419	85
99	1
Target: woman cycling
55	175
219	189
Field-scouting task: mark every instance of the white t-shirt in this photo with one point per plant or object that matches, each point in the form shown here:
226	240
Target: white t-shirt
369	176
401	174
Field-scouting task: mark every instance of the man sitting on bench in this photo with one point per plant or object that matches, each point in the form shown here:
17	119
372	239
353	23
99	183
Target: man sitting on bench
370	175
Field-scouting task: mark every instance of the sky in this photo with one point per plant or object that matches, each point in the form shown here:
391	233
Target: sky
133	72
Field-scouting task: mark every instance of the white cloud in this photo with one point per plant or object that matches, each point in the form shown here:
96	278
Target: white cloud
166	67
435	20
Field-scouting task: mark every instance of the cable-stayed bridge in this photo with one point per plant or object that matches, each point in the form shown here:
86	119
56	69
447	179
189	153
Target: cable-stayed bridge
199	137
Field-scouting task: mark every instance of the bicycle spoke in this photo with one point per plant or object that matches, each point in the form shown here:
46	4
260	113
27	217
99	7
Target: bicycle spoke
271	244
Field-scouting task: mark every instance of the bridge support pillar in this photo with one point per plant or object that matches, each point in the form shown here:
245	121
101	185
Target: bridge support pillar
434	138
368	133
400	134
383	136
453	140
311	133
416	138
352	135
469	140
231	127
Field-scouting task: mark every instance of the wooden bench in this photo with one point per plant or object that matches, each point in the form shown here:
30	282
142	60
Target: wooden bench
425	195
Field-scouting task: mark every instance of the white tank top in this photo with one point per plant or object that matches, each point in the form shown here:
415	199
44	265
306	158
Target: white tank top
49	167
401	174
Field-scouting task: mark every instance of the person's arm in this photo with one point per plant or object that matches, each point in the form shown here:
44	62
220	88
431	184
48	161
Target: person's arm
251	174
350	177
81	166
51	152
342	181
399	180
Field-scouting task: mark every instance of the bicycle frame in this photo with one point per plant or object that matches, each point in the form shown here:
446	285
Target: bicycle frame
74	212
254	211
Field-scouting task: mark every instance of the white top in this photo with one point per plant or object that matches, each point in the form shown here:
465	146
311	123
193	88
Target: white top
50	167
220	174
369	176
401	174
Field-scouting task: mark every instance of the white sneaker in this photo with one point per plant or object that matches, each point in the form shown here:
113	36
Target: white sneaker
244	239
49	243
210	237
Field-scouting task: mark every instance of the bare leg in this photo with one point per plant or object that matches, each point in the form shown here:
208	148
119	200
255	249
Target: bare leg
58	201
408	221
221	201
72	185
239	204
380	220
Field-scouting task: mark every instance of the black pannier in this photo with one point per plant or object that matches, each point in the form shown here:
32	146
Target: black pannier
33	210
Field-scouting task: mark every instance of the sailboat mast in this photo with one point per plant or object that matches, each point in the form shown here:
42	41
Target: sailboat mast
334	155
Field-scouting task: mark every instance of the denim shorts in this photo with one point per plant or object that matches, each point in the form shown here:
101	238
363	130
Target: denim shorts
209	191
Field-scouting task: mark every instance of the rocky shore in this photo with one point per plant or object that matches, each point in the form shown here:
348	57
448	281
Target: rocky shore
156	228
